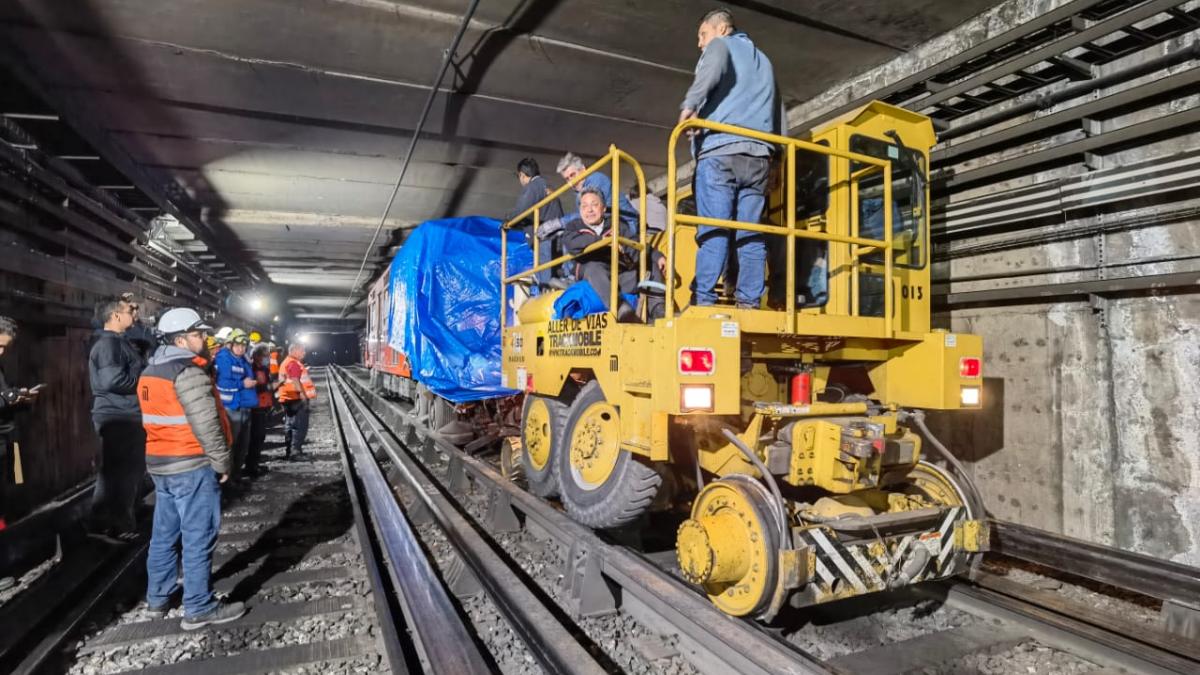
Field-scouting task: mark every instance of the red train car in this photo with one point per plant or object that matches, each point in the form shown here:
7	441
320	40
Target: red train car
391	371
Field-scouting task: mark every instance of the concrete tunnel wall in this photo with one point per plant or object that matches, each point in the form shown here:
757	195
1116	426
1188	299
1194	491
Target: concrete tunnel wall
1090	426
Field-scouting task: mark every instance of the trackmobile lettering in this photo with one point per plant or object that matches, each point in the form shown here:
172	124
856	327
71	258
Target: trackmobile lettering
577	337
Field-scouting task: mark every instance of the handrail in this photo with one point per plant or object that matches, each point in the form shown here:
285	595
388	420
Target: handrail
613	158
791	145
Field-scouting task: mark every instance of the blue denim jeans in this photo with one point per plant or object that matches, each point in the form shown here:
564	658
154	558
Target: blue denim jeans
295	425
187	507
730	187
545	255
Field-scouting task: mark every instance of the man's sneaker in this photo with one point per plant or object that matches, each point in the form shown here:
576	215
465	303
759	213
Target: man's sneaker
222	613
158	612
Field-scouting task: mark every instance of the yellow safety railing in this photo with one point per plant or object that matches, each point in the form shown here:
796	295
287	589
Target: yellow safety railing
859	245
613	161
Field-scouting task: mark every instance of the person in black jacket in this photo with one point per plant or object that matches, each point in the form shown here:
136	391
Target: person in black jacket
533	190
12	399
114	366
141	335
595	267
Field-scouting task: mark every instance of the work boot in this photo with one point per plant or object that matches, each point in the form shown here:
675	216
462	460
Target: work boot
7	583
627	314
222	613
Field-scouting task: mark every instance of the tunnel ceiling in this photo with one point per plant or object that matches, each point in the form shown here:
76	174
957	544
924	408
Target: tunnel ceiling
274	129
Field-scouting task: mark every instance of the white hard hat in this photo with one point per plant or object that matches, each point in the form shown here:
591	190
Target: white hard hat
223	334
181	320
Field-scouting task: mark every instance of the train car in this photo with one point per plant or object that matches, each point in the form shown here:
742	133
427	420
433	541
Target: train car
796	426
433	332
391	372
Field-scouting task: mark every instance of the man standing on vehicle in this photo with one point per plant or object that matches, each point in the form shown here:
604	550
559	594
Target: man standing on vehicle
734	84
187	455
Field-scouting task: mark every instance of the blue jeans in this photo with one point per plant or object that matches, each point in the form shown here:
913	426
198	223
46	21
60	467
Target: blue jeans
731	187
295	425
545	255
187	506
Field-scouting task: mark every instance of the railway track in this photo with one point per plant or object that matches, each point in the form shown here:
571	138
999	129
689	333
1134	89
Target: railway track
394	551
987	624
312	549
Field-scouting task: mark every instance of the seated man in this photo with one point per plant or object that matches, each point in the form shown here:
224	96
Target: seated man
595	267
570	166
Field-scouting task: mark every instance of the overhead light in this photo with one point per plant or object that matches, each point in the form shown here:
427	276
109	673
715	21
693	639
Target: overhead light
257	303
305	339
275	319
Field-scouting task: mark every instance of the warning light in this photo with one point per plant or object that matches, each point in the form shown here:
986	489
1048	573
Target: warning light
969	366
697	361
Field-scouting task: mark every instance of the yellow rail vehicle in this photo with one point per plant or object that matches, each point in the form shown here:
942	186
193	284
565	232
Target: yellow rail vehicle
794	427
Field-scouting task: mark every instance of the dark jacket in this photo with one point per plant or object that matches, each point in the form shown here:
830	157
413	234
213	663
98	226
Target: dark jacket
576	237
533	192
114	366
8	410
143	339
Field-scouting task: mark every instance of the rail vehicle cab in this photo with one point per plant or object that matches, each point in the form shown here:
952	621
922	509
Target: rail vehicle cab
795	429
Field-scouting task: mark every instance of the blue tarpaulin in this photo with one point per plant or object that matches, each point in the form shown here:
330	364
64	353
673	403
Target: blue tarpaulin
444	311
578	301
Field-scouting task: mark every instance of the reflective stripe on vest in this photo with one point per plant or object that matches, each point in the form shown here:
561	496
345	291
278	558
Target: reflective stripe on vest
168	433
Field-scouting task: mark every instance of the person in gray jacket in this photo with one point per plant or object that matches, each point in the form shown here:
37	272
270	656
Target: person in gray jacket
734	85
114	365
188	456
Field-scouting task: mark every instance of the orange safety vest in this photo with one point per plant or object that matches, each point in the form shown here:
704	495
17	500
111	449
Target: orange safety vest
290	391
274	365
168	433
266	398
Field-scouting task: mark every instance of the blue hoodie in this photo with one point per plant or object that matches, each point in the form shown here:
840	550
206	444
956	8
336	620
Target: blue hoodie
231	370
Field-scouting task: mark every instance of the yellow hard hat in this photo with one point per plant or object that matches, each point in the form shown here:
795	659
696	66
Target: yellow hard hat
255	336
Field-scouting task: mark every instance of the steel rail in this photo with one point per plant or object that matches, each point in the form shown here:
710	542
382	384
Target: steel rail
551	643
442	640
394	650
1071	632
727	644
1147	575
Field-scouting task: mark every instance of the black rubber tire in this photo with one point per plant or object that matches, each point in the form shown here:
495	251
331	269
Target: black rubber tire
627	494
544	482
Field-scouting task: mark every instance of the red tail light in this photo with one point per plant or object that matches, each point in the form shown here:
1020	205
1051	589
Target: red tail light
969	367
697	361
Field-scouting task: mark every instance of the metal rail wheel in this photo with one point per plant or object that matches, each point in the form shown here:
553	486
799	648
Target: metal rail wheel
601	484
542	420
938	485
729	546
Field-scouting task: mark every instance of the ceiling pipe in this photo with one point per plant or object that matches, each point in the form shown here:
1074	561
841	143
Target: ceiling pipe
447	58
